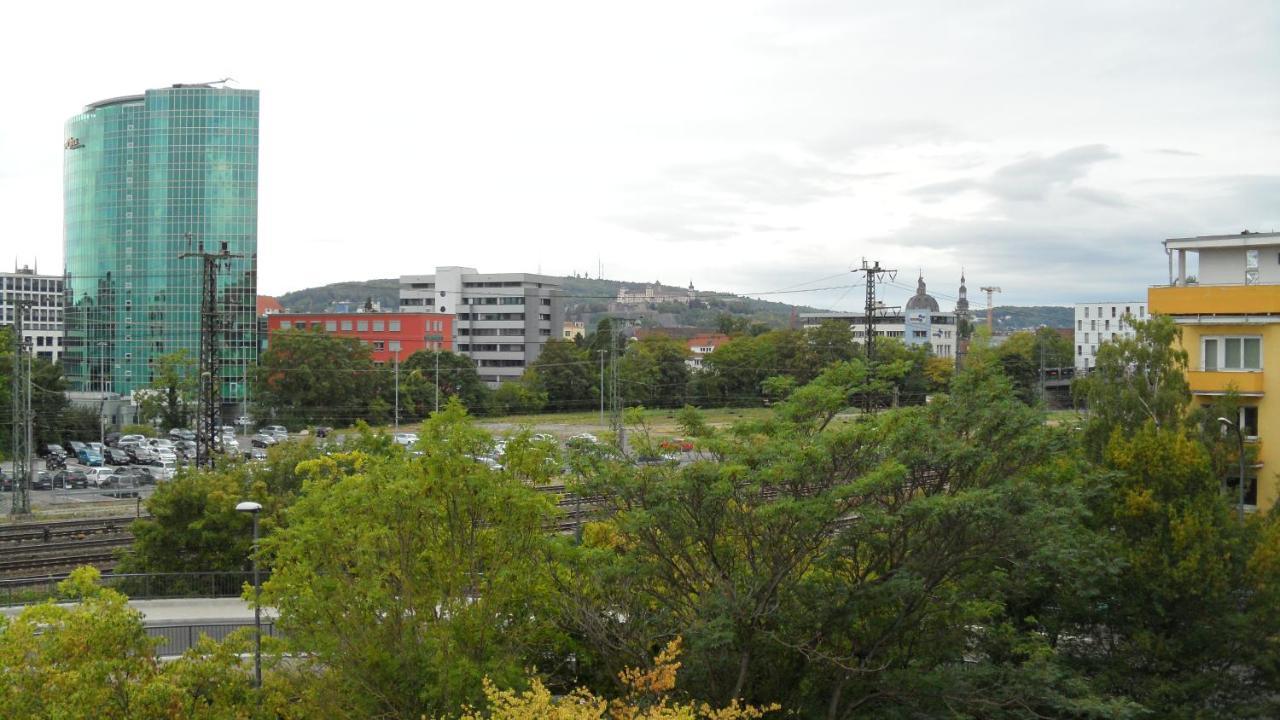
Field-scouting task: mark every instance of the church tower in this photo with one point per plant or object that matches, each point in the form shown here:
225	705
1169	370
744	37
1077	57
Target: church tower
962	303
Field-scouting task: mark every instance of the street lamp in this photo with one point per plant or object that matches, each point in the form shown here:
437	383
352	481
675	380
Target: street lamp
254	509
1240	442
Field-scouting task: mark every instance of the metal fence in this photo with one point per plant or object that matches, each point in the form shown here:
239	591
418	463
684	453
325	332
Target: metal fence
138	586
177	638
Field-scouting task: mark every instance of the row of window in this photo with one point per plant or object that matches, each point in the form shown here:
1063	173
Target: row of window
30	284
360	325
1231	353
1128	310
490	347
504	332
1106	324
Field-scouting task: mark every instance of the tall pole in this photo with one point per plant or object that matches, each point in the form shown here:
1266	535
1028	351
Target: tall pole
872	271
601	387
397	356
257	613
210	337
437	378
21	397
991	326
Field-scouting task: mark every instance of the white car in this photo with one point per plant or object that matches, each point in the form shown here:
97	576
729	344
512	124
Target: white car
100	477
406	438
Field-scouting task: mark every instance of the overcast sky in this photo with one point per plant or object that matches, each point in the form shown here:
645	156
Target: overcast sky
1046	147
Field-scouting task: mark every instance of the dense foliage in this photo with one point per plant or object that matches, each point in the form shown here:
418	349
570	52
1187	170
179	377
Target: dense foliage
961	558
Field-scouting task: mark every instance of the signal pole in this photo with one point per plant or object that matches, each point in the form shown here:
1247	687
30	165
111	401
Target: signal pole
872	271
21	395
208	411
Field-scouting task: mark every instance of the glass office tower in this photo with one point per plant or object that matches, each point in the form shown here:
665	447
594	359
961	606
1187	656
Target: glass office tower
148	178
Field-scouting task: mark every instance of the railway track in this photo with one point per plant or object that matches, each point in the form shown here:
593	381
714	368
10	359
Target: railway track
18	534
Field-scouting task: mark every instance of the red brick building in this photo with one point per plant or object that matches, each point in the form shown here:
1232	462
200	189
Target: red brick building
389	334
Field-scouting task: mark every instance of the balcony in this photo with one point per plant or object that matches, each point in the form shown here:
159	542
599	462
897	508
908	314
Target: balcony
1215	300
1214	382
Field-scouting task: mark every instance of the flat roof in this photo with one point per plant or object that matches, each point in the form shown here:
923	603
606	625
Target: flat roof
1207	242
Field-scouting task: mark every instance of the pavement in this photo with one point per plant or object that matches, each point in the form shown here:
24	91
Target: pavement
187	611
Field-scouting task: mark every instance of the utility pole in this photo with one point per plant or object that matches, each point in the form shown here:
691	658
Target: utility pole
991	325
872	272
397	392
208	412
21	395
601	387
437	378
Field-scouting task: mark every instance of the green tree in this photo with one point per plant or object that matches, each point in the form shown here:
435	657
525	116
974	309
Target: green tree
404	581
1136	380
566	374
419	391
171	395
518	397
308	377
653	373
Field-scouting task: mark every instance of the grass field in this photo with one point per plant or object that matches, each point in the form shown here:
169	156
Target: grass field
660	421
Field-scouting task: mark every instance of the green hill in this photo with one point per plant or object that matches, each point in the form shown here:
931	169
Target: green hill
1013	317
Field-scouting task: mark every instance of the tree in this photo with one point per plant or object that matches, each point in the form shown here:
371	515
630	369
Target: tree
566	374
419	393
310	377
518	397
653	372
404	581
48	396
172	391
1136	380
92	659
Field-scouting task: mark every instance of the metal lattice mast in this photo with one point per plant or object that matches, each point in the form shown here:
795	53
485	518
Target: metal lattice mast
21	395
872	271
208	413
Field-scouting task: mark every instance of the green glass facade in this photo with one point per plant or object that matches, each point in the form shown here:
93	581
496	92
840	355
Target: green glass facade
148	178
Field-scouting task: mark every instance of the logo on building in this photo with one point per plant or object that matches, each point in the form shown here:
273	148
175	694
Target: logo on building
72	144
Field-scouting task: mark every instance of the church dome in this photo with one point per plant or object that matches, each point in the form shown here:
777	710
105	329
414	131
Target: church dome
922	300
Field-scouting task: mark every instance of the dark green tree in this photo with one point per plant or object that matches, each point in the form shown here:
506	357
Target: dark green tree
419	391
308	377
567	374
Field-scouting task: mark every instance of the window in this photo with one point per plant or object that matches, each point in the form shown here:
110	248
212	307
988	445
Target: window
1086	312
1142	311
286	325
1093	324
1113	311
362	325
1231	353
1079	350
331	325
379	346
1250	267
394	346
1106	324
1079	325
1249	421
379	325
346	324
395	326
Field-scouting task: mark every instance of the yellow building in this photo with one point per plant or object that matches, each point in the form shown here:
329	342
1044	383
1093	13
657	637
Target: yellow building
1228	308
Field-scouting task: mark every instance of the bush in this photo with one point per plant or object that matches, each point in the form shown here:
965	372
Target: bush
138	429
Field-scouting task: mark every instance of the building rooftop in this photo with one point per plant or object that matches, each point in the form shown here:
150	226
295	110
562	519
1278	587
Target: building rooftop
1205	242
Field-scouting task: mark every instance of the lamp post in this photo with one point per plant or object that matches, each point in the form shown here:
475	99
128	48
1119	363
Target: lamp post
1240	444
397	391
254	509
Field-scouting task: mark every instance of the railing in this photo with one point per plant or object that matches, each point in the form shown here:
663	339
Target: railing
177	638
138	586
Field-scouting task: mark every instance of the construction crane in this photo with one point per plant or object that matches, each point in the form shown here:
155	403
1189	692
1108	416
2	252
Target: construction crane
990	307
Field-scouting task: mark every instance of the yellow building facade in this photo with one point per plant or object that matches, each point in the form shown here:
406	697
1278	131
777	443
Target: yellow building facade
1228	309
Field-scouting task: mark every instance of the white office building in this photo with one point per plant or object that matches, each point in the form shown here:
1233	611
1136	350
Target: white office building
42	323
501	321
1100	322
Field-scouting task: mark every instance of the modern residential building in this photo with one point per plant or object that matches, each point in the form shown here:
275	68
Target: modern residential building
501	320
42	323
147	179
920	322
1099	322
389	335
1229	315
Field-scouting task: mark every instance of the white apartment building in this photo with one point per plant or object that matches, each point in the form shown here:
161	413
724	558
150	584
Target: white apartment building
1100	322
42	323
501	321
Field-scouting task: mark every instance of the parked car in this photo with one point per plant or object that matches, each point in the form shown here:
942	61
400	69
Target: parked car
73	448
244	421
279	432
138	453
55	462
53	449
97	446
177	434
257	453
262	441
42	481
101	477
111	439
323	431
70	479
116	456
676	445
406	438
166	470
89	456
132	438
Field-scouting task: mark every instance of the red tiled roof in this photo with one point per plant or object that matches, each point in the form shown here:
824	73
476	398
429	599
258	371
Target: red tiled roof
267	304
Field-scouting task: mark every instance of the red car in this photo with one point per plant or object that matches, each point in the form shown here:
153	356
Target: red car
676	445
